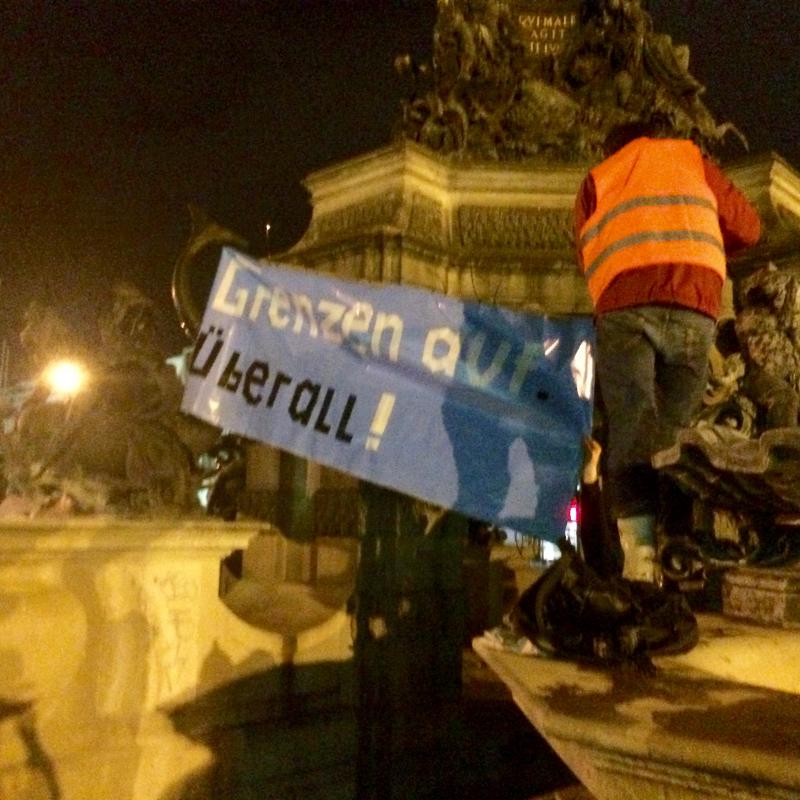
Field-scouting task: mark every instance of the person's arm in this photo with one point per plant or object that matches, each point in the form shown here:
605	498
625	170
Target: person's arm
738	219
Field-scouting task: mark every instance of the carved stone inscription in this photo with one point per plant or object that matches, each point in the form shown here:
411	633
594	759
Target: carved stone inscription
546	26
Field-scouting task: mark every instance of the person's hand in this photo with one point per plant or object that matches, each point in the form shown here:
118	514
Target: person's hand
591	460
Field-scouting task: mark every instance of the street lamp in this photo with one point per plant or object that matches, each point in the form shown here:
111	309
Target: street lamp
65	378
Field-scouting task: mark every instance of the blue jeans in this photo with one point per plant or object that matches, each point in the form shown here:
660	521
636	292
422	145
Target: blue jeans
651	369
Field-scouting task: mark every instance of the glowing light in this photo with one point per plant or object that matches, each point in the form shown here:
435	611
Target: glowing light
573	510
65	378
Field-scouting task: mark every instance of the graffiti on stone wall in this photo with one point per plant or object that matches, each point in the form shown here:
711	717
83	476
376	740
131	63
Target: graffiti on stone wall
171	603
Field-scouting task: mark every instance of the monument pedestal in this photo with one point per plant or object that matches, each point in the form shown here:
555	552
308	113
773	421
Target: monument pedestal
497	233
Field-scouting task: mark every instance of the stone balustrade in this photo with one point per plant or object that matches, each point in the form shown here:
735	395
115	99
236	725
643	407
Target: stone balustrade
109	625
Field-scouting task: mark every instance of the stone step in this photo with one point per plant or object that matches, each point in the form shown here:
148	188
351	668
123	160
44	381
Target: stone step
720	720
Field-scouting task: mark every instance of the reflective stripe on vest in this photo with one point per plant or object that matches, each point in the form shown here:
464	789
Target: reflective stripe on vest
674	222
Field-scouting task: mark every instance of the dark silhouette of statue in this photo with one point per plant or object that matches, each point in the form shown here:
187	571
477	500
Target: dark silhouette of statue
119	445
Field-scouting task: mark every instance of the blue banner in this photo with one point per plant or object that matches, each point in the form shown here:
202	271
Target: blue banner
468	406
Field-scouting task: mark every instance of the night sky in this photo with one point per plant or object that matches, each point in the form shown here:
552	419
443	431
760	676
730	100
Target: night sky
115	115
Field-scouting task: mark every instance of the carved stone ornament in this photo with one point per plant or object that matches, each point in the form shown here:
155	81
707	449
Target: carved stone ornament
515	228
426	219
357	218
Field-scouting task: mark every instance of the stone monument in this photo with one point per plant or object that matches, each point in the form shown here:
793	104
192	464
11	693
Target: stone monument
473	198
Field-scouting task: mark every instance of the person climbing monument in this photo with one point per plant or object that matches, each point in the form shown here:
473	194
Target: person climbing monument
654	223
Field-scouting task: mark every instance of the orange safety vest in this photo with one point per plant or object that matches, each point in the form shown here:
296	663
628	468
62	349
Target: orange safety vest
653	207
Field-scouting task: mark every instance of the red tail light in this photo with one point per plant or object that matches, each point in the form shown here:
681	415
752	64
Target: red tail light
573	510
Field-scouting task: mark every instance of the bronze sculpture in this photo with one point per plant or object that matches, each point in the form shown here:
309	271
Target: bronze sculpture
482	96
